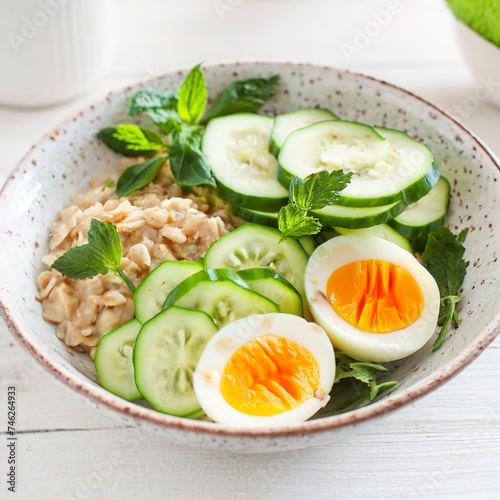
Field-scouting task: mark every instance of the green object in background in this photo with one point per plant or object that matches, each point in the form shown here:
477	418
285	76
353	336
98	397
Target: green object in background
483	16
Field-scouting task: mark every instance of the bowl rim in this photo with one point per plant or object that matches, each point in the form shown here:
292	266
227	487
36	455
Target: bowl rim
99	396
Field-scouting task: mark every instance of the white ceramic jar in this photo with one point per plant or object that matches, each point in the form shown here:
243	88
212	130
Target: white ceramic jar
53	50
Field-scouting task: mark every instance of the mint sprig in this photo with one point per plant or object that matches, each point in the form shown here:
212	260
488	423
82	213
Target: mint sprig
102	254
138	176
317	191
131	140
443	257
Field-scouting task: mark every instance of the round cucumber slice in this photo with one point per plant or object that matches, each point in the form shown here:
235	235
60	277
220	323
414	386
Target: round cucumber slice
388	166
113	360
252	245
150	295
269	219
237	149
383	231
287	123
308	244
420	219
222	294
358	217
275	287
166	353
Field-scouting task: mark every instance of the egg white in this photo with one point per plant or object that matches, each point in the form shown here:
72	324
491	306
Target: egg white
355	342
208	374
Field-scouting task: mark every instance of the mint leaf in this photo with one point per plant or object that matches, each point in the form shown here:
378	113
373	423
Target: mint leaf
131	140
320	189
166	120
293	222
189	165
147	100
138	176
138	139
443	258
101	254
243	96
192	96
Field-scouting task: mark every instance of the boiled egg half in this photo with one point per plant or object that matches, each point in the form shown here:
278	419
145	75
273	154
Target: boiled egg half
265	370
374	299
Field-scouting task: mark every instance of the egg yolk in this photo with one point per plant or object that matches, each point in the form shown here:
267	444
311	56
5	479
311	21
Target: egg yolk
375	296
269	375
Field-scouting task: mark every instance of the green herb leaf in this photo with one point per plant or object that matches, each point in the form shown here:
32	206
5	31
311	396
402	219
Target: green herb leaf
294	222
147	100
131	140
101	254
242	96
362	371
138	176
356	385
189	165
138	139
192	96
319	190
166	120
443	257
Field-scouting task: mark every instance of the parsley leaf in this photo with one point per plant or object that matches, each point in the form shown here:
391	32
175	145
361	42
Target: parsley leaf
443	257
138	176
293	222
317	191
243	96
320	189
101	254
356	384
131	140
149	100
192	98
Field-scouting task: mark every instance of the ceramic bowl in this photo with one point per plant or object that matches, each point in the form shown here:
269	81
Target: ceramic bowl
63	161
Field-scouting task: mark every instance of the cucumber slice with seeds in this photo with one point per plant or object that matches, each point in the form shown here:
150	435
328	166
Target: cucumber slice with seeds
113	360
388	165
251	245
237	149
222	294
287	123
275	287
151	294
166	353
420	219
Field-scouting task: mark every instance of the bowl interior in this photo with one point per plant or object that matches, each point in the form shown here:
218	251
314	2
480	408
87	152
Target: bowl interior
64	161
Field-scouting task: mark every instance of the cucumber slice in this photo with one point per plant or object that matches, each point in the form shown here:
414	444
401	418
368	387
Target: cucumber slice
383	231
166	353
251	245
150	295
237	149
275	287
358	217
113	360
222	294
388	165
424	216
308	244
287	123
269	219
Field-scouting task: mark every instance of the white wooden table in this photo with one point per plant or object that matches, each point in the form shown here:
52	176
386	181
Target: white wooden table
446	445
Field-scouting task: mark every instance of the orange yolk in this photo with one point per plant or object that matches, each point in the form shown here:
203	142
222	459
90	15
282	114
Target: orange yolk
269	375
375	296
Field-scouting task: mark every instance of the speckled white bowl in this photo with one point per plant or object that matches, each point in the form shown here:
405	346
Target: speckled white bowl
64	160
